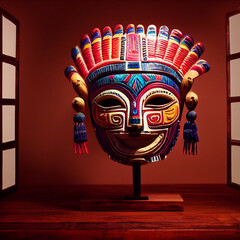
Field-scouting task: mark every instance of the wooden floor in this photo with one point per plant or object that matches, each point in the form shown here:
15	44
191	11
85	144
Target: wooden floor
210	212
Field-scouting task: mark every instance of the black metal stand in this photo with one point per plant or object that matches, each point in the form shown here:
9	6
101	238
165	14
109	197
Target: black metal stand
136	183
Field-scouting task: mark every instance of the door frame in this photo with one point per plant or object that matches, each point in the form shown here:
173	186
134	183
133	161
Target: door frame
230	100
13	102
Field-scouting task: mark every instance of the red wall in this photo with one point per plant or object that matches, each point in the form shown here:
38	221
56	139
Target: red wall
49	30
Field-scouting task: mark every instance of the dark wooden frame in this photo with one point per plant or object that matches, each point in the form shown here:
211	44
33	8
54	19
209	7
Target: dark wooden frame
230	100
13	102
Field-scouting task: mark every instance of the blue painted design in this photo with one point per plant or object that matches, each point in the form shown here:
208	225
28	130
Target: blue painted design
169	82
163	32
140	29
161	69
130	29
123	47
202	63
108	33
134	120
74	52
118	29
113	68
151	30
95	35
135	111
84	41
133	65
147	67
69	69
137	80
187	41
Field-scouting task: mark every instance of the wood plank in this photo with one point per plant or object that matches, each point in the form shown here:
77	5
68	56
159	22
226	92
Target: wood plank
119	234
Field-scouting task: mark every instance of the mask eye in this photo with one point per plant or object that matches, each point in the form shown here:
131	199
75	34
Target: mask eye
110	103
158	101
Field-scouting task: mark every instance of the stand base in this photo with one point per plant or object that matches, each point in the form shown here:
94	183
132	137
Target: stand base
156	202
132	197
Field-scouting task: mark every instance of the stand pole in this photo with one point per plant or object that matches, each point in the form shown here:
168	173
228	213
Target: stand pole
136	166
136	179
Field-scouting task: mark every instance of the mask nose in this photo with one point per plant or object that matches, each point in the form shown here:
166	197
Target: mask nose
135	127
134	131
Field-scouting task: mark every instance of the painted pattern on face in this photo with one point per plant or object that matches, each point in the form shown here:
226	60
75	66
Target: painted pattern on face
133	115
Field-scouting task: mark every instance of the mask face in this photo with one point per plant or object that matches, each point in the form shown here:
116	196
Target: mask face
135	116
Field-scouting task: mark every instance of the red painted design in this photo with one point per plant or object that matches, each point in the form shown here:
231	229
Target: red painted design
81	66
161	46
158	77
154	119
127	78
147	78
133	47
134	85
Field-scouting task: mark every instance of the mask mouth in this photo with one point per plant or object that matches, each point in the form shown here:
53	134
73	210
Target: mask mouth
134	131
139	145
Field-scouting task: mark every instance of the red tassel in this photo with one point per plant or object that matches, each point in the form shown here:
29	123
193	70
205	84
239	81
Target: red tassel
86	148
79	149
75	148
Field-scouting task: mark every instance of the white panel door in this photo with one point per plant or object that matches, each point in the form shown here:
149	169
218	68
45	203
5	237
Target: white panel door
9	75
233	97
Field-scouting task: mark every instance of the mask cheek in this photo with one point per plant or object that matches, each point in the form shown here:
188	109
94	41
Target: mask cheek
154	119
99	116
158	118
171	114
108	119
116	120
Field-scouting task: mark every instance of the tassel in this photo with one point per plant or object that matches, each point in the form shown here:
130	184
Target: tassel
190	135
80	134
